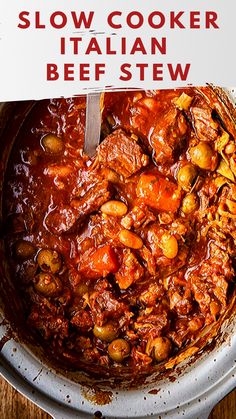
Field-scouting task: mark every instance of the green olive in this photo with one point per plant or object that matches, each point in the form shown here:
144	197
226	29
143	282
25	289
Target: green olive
49	261
186	176
52	144
47	284
118	350
107	333
161	348
190	203
203	156
24	249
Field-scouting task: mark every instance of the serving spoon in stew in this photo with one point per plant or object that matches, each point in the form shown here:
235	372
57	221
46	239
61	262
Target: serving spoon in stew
93	123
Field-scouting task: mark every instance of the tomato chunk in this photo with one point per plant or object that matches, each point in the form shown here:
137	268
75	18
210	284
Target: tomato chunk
158	192
100	263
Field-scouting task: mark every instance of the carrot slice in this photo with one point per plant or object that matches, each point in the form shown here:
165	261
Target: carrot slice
158	192
100	263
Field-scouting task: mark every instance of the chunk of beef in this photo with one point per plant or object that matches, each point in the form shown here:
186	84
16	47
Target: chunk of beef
182	304
137	217
168	135
151	325
93	199
211	278
205	127
63	218
201	294
152	294
130	270
105	306
140	358
149	260
122	154
49	323
179	336
82	320
220	262
221	288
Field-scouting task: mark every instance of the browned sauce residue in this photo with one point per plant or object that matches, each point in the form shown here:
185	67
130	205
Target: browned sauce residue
97	396
154	391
